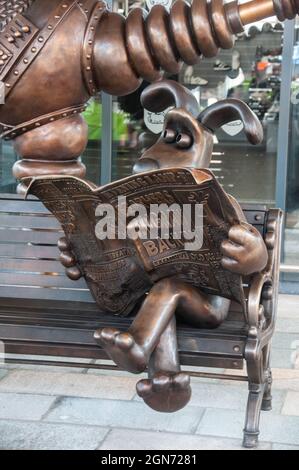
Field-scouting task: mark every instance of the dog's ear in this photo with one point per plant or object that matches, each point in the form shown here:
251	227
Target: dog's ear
229	110
161	95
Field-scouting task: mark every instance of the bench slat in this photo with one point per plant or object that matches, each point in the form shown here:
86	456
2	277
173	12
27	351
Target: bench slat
200	345
15	197
23	207
38	280
84	312
29	221
28	236
44	308
20	251
31	266
31	293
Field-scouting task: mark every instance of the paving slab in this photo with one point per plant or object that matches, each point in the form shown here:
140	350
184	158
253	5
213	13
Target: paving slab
127	414
111	373
47	436
282	358
228	396
286	381
288	325
288	306
39	367
71	384
286	340
30	407
291	404
3	373
230	423
126	439
284	447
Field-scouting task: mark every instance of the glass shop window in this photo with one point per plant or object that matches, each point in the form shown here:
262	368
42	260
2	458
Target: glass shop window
8	157
92	155
251	72
291	251
128	130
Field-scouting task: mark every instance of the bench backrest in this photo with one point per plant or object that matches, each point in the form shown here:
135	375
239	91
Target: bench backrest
29	266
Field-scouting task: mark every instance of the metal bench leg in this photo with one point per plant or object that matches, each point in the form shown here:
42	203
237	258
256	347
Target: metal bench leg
257	385
251	431
267	398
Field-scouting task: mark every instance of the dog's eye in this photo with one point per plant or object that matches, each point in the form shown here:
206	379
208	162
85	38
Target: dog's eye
184	141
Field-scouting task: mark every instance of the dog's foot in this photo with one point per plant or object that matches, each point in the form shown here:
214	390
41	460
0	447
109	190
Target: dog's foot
122	349
166	392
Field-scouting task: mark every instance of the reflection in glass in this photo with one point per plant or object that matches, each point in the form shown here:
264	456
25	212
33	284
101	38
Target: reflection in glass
291	252
91	157
8	157
251	72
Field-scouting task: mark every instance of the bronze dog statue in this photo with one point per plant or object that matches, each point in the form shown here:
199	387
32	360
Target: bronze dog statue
151	341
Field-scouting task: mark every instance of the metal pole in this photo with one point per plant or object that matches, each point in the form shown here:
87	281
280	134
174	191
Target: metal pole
107	131
284	120
256	10
284	115
107	136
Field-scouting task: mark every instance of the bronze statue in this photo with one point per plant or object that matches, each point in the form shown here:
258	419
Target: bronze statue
53	57
55	54
174	291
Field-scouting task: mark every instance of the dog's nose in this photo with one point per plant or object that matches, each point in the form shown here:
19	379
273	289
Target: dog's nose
145	164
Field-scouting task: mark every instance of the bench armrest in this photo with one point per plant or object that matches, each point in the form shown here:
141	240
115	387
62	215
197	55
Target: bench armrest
255	308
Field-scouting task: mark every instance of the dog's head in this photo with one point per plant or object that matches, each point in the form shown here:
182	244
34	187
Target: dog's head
187	137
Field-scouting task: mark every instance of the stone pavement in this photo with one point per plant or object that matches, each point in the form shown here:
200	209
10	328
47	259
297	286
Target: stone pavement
64	408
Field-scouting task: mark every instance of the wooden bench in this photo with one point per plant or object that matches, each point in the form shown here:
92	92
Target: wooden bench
42	312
